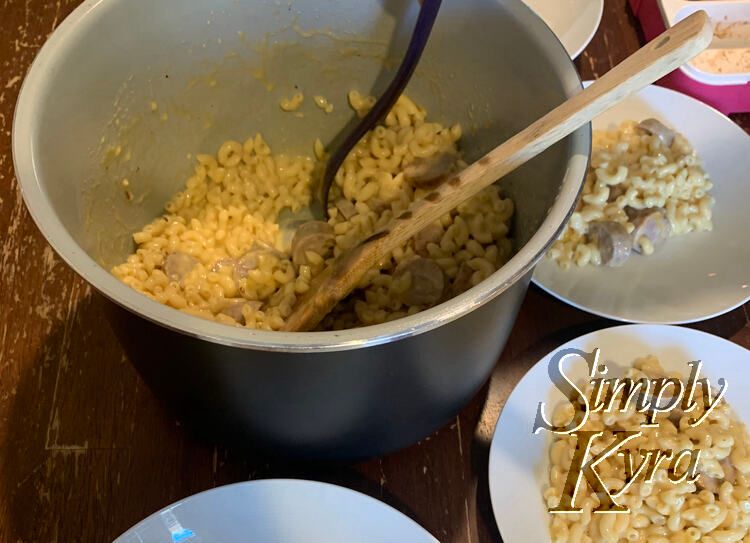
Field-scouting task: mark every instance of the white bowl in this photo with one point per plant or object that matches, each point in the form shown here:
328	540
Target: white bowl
574	22
692	277
519	460
277	511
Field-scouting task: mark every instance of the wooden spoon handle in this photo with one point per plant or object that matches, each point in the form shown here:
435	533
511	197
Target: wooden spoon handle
653	61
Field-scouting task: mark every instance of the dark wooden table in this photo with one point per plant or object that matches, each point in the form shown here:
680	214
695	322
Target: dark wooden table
86	450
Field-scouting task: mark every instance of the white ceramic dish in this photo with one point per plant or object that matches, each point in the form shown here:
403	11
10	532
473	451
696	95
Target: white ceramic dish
573	21
692	277
518	460
277	511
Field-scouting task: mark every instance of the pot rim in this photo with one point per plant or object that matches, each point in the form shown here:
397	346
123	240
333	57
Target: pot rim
25	121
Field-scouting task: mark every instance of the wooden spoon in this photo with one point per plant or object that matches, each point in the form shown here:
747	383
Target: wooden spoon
656	59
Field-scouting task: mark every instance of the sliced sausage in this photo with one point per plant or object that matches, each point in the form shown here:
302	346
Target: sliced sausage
713	484
429	171
706	482
233	308
675	416
730	472
219	264
263	246
377	205
612	240
346	208
315	236
430	234
658	129
177	265
615	191
251	259
462	281
427	281
651	223
245	264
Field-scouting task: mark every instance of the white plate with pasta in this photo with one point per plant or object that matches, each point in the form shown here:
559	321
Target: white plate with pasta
527	471
698	181
574	22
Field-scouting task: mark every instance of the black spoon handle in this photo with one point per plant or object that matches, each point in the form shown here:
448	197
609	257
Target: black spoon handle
427	15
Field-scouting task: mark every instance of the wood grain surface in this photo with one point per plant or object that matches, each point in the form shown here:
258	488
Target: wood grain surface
86	450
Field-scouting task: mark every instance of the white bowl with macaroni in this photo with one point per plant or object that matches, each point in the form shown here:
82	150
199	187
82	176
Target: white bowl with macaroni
527	471
698	183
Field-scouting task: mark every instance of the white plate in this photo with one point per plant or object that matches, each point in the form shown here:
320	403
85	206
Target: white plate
277	511
573	21
518	460
692	277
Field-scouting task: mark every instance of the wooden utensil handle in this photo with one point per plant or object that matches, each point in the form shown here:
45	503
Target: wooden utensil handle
656	59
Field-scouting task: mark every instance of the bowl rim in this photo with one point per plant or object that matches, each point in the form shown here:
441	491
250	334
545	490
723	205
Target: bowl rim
277	484
37	201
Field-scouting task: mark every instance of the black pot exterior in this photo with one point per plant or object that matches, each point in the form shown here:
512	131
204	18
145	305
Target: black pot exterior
88	89
348	404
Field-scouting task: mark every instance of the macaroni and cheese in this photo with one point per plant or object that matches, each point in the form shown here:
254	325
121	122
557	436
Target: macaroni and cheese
645	184
714	509
218	251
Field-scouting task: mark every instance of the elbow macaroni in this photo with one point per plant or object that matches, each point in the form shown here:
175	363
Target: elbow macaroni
293	103
323	104
631	168
660	510
231	202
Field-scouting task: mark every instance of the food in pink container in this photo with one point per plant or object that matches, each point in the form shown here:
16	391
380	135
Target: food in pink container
720	76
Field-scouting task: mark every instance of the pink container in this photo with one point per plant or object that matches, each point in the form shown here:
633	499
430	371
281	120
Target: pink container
732	98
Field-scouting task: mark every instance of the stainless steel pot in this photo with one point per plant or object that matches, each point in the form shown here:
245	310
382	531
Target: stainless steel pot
126	89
